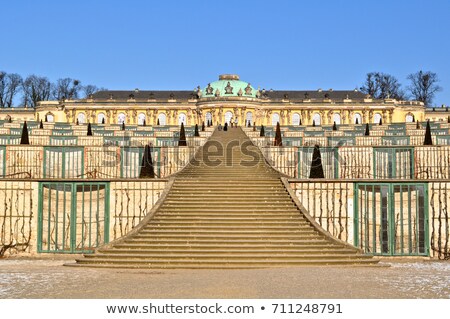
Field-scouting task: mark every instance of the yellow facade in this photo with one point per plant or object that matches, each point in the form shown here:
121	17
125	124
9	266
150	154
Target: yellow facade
221	101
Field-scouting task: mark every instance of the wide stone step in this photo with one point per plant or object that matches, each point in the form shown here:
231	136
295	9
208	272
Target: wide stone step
252	206
225	201
226	210
230	215
280	222
246	242
242	263
232	245
228	256
217	236
232	229
250	197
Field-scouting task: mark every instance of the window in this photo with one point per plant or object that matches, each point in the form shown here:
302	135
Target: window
49	117
317	119
357	119
409	118
377	118
337	118
208	117
181	118
162	118
228	116
141	118
81	118
249	117
296	119
275	118
121	118
100	118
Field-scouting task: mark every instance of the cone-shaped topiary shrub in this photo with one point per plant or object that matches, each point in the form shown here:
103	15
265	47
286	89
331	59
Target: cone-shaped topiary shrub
225	127
314	123
367	132
157	122
203	126
103	120
24	140
147	170
182	140
123	126
89	131
196	133
278	141
428	140
381	121
334	126
316	164
41	125
262	133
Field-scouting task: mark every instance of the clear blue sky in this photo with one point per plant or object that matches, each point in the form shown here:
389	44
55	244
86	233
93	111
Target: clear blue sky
179	45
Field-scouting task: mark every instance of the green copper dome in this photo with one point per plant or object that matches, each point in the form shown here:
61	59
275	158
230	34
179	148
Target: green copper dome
229	85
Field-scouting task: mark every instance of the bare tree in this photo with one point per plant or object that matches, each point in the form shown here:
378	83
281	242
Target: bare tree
10	85
89	89
424	86
371	85
382	86
66	88
36	88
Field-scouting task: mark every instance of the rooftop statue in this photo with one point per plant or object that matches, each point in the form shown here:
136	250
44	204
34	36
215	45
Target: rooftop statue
228	89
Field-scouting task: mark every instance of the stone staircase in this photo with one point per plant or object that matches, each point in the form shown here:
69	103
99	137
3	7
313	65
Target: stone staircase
234	213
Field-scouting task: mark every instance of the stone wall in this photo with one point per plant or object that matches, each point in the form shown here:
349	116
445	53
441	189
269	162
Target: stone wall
330	204
18	216
74	216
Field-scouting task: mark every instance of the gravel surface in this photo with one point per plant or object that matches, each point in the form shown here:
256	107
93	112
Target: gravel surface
48	278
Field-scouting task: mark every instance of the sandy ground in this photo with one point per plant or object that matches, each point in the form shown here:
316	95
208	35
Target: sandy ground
48	278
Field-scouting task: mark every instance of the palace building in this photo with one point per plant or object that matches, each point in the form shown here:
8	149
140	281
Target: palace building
230	98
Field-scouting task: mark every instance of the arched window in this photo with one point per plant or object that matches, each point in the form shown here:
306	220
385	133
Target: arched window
121	118
377	118
181	118
141	118
81	118
275	118
409	118
357	119
49	117
228	116
295	119
100	118
208	116
162	118
248	117
337	118
317	119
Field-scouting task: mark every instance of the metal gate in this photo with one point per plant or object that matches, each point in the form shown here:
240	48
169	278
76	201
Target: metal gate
329	161
73	217
393	162
132	160
63	162
391	218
